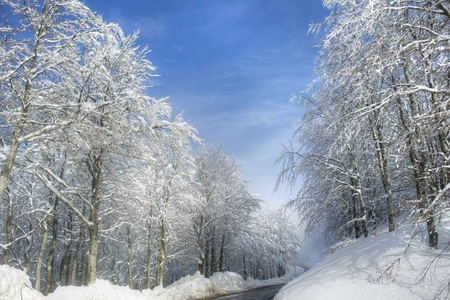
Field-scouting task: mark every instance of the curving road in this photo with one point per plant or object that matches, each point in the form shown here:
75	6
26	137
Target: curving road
264	293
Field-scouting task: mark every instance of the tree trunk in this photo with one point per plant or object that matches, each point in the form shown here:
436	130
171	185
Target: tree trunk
149	253
82	269
425	210
222	253
9	234
129	255
357	194
382	163
162	256
10	158
244	267
92	257
417	164
18	127
213	252
66	258
40	258
355	216
73	276
201	256
207	266
26	258
51	254
113	270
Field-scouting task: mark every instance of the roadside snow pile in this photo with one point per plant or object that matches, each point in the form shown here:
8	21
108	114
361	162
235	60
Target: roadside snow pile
357	271
190	287
16	285
228	282
100	290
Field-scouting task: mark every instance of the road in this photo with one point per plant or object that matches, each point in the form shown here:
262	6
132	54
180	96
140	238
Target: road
264	293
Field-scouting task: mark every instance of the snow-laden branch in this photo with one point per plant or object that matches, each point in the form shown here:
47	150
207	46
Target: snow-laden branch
63	199
64	184
437	199
38	134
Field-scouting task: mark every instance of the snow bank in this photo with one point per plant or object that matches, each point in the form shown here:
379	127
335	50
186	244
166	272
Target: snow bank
15	285
228	282
354	271
100	290
191	287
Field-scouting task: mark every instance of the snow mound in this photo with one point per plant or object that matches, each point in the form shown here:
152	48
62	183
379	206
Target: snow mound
191	287
16	285
100	290
228	282
369	269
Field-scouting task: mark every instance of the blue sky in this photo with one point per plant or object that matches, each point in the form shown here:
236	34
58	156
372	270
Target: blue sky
231	66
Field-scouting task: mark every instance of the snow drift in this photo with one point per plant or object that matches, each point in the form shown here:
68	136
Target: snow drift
15	285
100	290
369	269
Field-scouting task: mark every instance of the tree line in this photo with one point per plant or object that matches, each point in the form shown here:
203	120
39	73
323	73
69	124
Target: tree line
98	179
373	140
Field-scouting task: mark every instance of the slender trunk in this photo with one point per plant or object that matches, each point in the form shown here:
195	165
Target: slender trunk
113	270
50	259
425	210
18	127
66	258
442	141
362	206
10	158
129	255
355	216
162	256
213	252
418	164
433	237
26	258
9	234
40	258
222	252
201	256
149	253
207	266
357	194
281	271
73	276
82	268
92	257
244	267
382	163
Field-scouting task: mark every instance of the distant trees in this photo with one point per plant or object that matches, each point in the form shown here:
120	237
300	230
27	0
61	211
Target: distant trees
223	208
375	123
97	178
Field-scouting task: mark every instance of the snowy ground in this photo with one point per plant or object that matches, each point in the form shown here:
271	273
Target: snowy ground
15	285
362	269
359	269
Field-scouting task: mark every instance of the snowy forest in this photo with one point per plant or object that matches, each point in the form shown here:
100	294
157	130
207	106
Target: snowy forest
100	180
372	146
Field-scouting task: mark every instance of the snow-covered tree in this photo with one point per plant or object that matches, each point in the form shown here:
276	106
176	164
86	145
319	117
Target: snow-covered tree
381	95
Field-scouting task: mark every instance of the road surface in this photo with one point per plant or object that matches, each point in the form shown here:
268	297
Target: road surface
264	293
